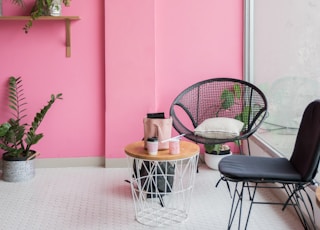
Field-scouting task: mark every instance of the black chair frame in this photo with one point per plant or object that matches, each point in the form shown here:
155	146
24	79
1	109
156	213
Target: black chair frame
294	191
292	175
203	100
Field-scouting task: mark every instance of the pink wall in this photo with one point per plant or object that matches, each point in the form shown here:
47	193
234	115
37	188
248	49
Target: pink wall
128	58
154	49
74	127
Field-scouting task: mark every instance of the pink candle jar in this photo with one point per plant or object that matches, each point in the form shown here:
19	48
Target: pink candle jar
174	146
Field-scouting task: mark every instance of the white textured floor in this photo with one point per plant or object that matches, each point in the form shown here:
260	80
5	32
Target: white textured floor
98	198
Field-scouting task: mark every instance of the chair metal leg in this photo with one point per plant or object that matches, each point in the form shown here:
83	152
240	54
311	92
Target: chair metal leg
227	183
237	202
234	205
251	200
296	199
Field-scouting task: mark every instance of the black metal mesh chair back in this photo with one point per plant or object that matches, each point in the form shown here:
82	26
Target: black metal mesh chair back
218	97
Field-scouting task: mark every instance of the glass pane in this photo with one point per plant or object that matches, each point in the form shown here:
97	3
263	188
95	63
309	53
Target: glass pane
285	64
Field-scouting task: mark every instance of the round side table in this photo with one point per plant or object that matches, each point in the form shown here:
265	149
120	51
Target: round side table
162	184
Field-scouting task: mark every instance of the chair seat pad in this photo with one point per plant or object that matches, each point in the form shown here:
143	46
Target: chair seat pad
252	168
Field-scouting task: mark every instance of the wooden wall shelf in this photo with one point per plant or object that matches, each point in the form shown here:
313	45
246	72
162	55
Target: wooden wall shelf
67	20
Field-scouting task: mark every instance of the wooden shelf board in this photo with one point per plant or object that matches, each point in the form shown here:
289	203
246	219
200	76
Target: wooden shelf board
49	18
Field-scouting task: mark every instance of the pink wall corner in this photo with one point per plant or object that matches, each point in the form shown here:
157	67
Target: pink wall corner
155	49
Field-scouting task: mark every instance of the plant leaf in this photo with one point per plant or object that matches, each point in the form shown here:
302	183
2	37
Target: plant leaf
4	128
227	98
33	138
237	90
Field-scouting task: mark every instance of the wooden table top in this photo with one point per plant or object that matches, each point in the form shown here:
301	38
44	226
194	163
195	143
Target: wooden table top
318	195
187	150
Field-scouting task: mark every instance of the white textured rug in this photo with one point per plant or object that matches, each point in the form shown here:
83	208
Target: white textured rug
98	198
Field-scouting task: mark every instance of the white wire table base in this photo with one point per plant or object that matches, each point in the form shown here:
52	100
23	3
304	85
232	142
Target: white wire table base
168	204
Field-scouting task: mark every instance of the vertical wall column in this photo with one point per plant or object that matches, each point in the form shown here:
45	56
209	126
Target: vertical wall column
130	71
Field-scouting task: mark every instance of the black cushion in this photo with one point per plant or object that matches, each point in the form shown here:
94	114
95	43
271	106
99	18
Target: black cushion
253	168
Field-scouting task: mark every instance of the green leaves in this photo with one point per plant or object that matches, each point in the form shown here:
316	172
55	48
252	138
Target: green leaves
14	137
244	115
40	8
15	133
209	148
40	115
4	128
32	138
16	98
237	90
227	98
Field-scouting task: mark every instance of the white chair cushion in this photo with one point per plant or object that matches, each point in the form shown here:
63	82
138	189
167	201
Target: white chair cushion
219	128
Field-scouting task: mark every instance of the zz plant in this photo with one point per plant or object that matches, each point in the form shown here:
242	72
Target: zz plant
16	137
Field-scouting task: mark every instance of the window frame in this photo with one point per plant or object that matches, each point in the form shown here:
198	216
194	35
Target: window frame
248	73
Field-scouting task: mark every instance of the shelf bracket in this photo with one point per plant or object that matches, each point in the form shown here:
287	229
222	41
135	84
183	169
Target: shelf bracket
67	20
68	38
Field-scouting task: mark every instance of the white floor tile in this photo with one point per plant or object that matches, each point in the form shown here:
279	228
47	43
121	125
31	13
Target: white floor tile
99	198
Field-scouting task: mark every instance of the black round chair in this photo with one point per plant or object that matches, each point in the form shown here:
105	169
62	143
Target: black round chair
219	97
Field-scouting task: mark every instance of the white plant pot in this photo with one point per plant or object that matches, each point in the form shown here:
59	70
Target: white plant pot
212	160
55	8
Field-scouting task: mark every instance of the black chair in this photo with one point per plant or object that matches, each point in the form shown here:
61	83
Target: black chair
292	176
219	97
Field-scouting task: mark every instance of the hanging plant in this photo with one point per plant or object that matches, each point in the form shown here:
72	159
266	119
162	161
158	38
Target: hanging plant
41	8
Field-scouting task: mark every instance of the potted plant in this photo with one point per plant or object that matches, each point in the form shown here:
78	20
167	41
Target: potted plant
43	8
17	138
214	153
217	149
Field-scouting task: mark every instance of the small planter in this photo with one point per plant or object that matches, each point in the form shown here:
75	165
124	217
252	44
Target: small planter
212	159
17	169
55	8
